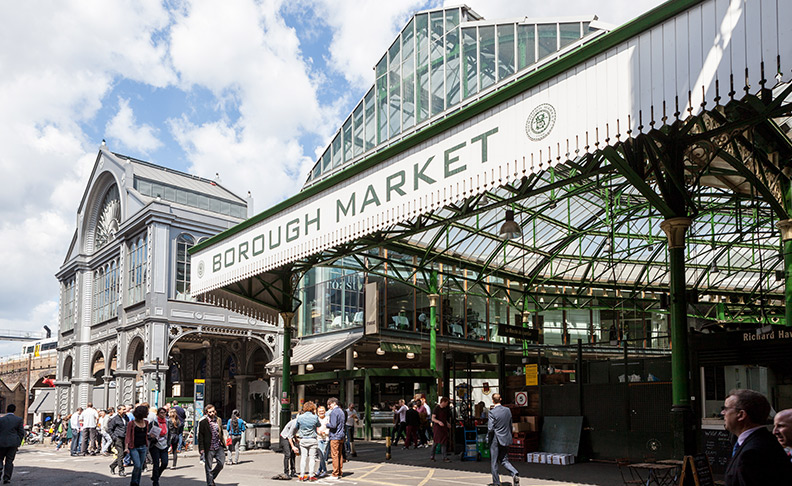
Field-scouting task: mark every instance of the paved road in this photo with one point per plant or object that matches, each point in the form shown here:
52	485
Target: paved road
42	465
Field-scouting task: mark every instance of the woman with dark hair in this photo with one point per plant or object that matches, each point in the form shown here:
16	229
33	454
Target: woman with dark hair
158	437
137	442
235	427
174	426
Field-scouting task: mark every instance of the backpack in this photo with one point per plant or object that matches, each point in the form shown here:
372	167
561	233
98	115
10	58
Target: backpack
235	427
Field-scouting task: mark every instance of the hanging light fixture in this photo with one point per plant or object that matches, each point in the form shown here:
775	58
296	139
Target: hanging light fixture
410	355
354	354
395	367
714	268
309	367
510	229
380	351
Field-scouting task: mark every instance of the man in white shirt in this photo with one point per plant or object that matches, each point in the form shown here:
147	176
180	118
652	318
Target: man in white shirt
351	422
104	419
89	418
75	424
289	449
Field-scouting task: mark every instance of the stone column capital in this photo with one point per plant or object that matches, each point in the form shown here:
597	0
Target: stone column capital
675	229
785	226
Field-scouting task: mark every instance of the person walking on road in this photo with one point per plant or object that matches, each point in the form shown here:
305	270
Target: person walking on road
182	414
335	425
12	431
441	429
352	421
174	426
117	427
211	443
757	458
158	440
236	429
136	443
400	413
499	437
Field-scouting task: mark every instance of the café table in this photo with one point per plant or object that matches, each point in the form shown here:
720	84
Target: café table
655	473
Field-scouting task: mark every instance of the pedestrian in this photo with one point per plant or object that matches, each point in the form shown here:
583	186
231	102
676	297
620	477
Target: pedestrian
400	418
12	431
90	418
352	420
289	449
499	438
174	425
56	430
782	429
236	429
322	441
211	443
64	435
158	440
104	433
441	428
182	414
426	422
136	442
757	458
117	427
413	423
335	425
75	431
307	425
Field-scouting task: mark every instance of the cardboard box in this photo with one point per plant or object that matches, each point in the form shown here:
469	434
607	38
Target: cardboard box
522	427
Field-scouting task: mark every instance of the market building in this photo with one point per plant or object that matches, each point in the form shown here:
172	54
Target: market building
551	209
130	331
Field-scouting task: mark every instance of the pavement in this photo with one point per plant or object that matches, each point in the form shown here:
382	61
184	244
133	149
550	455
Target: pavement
39	465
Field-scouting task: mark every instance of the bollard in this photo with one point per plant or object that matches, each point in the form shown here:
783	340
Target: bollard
387	448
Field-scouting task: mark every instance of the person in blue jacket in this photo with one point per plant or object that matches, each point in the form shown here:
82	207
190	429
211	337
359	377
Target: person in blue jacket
236	429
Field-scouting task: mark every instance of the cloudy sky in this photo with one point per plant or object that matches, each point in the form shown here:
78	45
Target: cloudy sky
253	91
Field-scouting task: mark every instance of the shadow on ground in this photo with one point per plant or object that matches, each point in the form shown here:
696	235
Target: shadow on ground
594	473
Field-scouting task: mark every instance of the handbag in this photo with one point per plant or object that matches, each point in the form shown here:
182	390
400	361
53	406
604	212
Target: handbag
228	441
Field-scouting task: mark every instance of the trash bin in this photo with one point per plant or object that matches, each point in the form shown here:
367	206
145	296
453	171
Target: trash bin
266	434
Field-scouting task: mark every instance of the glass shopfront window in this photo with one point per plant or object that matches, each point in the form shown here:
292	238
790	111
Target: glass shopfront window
333	304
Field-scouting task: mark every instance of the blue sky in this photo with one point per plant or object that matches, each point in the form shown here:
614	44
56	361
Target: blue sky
253	91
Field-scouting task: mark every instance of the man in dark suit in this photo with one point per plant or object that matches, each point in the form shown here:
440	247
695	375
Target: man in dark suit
757	459
499	437
12	431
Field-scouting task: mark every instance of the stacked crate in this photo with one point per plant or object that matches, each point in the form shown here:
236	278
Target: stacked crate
522	444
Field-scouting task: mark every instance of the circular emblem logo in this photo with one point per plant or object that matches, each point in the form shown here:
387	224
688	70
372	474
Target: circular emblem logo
540	122
200	269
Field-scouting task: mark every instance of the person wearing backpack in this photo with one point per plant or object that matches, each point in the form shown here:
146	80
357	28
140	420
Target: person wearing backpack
236	428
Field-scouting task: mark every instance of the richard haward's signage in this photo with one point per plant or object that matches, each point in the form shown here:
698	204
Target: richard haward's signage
777	334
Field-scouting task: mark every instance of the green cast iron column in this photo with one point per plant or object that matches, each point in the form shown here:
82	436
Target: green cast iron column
681	409
433	298
286	377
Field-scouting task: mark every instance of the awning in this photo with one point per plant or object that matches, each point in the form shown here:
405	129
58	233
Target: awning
318	350
44	402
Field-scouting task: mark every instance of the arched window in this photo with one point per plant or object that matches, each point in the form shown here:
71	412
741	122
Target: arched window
105	292
137	257
183	243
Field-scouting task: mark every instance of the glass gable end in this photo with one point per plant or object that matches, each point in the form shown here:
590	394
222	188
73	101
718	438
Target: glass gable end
442	60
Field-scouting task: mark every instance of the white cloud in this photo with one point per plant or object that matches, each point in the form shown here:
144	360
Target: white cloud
123	127
362	33
245	52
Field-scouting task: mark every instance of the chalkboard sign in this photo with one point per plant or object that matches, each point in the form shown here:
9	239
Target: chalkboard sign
718	448
561	435
696	471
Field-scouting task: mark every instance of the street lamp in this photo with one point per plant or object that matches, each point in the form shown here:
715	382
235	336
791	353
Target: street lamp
157	380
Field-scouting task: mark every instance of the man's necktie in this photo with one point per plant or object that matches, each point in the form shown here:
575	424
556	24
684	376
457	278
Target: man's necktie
736	448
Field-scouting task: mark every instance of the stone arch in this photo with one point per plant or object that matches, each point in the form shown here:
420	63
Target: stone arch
112	361
258	356
104	183
97	367
135	354
67	368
